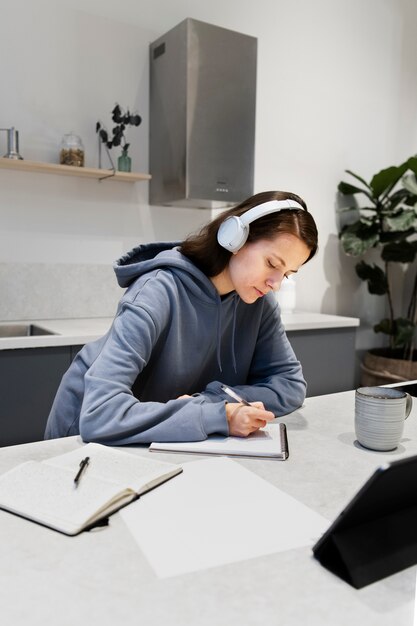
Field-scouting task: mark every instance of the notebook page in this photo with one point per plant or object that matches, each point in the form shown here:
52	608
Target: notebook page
48	495
126	469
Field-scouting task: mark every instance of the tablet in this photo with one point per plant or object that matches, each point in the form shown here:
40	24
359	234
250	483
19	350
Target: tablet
410	388
375	535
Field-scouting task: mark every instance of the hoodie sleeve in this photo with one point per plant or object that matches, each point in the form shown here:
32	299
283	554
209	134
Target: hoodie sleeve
275	377
111	414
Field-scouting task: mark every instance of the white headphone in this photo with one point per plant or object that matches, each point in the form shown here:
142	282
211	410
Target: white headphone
234	231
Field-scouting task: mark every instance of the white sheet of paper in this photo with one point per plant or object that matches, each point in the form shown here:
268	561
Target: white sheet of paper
415	605
217	512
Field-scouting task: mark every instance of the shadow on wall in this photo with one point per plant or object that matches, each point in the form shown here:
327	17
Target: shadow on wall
343	289
347	295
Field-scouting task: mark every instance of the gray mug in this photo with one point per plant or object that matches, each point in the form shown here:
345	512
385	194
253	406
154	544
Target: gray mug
380	413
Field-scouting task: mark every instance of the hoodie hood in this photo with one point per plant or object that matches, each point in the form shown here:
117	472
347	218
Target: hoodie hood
149	257
141	260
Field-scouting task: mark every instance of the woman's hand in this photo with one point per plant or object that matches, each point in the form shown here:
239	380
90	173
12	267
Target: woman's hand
244	420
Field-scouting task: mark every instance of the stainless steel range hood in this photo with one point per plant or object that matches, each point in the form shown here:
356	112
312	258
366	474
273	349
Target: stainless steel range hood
202	116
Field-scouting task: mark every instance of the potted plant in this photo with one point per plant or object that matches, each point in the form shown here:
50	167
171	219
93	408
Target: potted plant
386	221
122	120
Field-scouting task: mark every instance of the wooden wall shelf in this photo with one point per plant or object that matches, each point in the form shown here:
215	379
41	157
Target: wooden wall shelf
69	170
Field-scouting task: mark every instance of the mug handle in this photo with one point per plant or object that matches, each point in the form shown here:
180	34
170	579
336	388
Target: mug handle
408	405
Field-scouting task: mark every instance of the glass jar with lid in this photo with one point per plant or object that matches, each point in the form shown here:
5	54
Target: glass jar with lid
72	150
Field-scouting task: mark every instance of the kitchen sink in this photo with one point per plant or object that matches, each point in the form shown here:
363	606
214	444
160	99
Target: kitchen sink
23	330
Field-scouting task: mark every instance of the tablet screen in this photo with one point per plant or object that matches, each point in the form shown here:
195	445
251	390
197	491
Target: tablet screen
391	487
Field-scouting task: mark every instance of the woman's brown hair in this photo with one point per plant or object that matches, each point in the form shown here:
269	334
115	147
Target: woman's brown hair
211	258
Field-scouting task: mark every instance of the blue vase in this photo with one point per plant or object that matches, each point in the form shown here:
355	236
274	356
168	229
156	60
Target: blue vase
124	163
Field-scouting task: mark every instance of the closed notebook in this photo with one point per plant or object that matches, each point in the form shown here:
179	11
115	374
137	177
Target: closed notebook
45	491
268	443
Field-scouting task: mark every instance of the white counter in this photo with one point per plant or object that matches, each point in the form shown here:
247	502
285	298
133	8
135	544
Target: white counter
103	577
67	332
301	320
74	332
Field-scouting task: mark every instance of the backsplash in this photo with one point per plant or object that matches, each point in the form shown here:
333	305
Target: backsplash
31	291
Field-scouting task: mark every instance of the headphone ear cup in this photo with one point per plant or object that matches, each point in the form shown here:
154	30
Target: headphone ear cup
232	233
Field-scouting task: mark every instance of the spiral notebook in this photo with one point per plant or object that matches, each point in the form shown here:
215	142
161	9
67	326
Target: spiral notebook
270	442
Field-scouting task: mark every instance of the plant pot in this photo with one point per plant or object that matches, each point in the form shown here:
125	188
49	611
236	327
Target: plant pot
383	366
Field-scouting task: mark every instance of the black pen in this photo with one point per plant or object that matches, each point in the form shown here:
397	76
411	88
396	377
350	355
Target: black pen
83	465
234	395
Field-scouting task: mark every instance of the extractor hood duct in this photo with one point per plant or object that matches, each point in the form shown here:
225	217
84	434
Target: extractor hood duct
202	116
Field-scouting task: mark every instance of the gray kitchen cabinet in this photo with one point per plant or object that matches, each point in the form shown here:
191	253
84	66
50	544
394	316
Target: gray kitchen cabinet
327	357
29	379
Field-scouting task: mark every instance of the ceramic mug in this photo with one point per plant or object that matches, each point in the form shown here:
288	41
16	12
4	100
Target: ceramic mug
380	413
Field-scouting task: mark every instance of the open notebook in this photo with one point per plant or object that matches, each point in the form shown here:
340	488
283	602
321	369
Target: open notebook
45	491
268	443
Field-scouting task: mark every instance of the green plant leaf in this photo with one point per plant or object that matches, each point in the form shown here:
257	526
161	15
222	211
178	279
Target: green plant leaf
404	331
396	202
410	183
412	164
362	180
368	216
117	114
366	221
386	179
135	120
401	329
385	327
403	252
356	244
375	277
405	220
103	135
390	236
369	211
348	189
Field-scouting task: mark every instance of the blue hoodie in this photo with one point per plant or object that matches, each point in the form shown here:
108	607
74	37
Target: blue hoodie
173	335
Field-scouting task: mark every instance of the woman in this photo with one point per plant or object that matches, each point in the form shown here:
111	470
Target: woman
194	316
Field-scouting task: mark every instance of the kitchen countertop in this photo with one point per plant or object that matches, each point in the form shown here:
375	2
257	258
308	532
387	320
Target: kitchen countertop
103	577
301	320
74	332
68	332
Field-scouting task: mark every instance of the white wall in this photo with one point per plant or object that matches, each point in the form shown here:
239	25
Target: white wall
337	89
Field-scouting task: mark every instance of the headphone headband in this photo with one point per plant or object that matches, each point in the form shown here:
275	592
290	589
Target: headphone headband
272	206
233	232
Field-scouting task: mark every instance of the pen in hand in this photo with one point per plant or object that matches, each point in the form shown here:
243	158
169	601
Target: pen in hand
234	395
243	423
83	465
